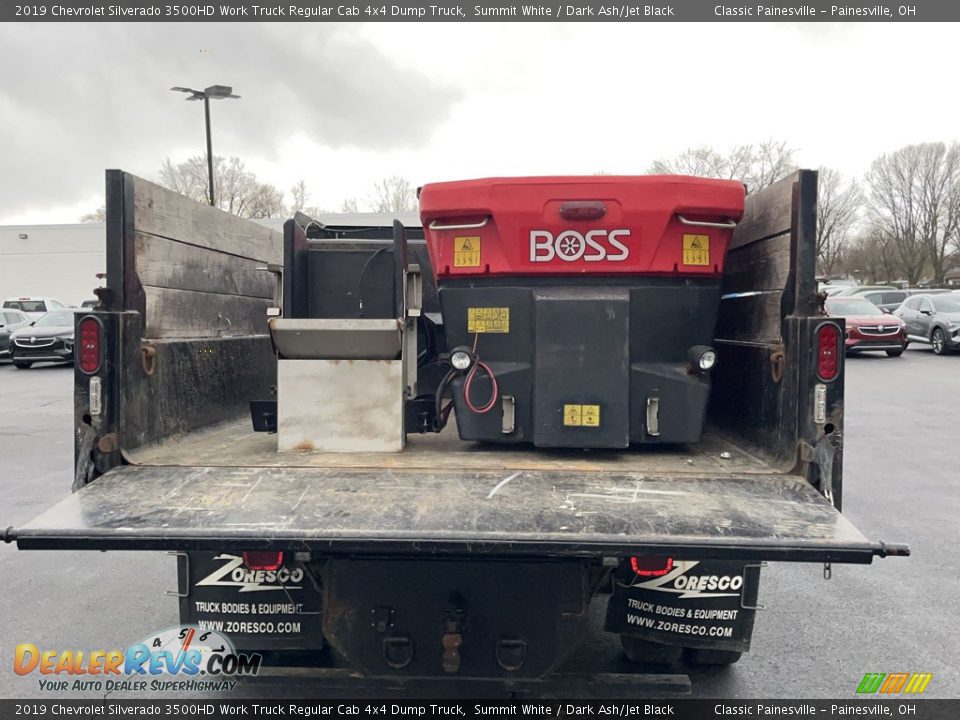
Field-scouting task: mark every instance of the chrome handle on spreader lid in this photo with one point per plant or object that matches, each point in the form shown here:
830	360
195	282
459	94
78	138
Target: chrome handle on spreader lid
729	225
468	226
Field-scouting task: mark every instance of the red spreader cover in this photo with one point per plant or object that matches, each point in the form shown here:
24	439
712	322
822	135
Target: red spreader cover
655	224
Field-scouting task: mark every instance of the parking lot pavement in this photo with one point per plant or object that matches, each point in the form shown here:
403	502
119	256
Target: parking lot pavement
815	639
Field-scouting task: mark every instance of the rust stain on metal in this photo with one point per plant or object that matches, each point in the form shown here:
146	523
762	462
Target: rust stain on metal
108	443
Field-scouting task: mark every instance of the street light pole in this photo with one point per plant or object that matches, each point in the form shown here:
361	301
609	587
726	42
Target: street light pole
215	92
206	112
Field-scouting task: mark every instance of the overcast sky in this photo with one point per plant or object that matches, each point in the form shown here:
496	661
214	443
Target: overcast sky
344	105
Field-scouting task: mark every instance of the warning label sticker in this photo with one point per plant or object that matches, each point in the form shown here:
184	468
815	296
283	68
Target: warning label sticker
581	415
466	251
696	249
488	320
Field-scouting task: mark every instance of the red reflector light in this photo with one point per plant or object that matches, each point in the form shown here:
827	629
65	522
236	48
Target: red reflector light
87	346
583	210
828	352
261	560
651	566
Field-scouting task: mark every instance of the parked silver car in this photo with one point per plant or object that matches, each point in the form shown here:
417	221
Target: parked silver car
10	322
933	319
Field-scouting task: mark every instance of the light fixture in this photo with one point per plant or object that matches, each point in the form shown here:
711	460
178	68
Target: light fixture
461	359
702	358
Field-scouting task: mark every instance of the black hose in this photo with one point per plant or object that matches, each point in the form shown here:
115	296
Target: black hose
443	413
363	273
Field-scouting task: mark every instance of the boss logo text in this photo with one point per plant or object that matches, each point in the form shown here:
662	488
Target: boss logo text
571	245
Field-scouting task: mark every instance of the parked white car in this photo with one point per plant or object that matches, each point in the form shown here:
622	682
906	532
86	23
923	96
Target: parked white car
34	307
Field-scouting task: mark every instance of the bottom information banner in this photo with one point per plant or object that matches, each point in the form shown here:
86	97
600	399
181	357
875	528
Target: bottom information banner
681	708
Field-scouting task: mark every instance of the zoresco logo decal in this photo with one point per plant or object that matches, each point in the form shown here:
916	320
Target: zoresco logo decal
186	651
233	574
894	683
686	583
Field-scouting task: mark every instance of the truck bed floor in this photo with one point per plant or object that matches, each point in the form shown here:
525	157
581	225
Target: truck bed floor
234	444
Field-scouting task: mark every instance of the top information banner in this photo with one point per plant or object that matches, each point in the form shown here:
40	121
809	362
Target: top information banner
486	11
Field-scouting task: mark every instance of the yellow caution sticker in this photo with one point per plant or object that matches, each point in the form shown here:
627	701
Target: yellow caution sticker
466	251
488	320
590	415
696	249
581	415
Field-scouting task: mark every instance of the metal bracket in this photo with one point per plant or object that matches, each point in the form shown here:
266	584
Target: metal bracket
413	306
728	225
277	272
508	422
758	606
186	559
221	318
382	619
463	226
777	358
413	289
822	457
148	357
653	416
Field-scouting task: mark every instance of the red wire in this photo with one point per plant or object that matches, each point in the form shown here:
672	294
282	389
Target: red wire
469	382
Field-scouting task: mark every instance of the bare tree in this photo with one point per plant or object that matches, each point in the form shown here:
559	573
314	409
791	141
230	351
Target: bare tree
97	216
238	190
941	227
300	195
350	205
756	166
394	194
872	255
266	201
701	161
187	178
914	198
771	161
838	206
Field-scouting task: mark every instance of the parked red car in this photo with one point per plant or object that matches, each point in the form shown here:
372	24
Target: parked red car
868	327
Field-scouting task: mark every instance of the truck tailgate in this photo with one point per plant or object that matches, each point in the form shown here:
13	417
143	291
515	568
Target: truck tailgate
403	511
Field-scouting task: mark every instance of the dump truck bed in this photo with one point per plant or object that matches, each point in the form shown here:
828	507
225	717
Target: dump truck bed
227	488
157	468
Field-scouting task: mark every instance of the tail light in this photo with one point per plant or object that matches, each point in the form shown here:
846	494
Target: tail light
261	560
828	352
88	345
652	566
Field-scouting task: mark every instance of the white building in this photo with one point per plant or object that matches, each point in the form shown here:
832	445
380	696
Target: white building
58	261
